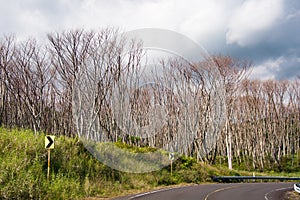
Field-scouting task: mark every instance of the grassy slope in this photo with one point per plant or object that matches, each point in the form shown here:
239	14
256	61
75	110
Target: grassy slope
75	174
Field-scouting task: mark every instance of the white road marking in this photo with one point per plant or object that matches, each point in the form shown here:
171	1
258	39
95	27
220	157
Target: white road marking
155	191
219	190
267	194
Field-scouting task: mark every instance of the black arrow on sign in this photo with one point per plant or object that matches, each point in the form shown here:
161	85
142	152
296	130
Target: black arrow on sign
50	142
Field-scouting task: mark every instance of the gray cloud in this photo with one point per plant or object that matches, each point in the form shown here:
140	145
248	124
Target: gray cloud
264	31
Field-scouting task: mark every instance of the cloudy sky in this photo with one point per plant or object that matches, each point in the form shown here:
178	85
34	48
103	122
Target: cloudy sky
264	31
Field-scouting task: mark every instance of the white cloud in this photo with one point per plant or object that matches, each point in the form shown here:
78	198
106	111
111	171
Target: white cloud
34	18
210	18
196	18
278	68
267	70
251	19
199	19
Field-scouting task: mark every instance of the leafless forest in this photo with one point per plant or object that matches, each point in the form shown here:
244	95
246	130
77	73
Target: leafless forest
260	126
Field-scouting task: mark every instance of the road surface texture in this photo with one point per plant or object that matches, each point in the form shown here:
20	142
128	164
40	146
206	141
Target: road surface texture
237	191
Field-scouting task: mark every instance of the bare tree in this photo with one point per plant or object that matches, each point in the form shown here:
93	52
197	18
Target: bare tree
233	72
27	76
45	88
68	53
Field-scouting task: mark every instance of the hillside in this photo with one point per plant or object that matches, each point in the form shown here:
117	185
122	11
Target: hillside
75	174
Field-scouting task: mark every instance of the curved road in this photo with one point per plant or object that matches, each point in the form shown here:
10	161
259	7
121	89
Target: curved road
238	191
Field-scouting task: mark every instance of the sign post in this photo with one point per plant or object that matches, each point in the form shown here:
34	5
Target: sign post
49	144
48	169
171	158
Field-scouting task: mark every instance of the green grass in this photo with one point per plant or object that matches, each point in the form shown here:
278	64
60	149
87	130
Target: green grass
76	174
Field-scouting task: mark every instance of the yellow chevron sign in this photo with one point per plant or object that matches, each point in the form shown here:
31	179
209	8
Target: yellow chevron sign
49	141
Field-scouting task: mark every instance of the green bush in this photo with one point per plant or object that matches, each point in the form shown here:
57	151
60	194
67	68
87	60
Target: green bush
23	164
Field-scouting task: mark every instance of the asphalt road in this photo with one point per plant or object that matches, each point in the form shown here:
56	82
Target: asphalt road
238	191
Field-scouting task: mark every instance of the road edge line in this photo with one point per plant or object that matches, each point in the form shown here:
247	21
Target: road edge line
219	190
278	189
155	191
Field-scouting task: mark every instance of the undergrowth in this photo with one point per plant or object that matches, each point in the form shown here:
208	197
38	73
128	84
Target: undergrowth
76	174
